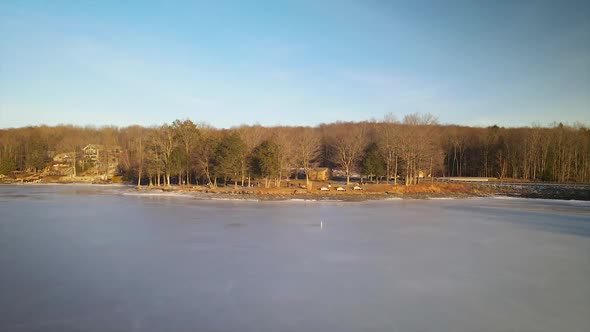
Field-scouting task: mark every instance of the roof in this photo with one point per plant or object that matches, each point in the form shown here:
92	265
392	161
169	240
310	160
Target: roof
90	146
102	147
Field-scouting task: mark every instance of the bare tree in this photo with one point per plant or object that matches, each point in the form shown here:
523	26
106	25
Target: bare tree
139	146
286	152
188	135
308	149
208	139
347	145
388	141
252	136
162	144
417	144
70	144
168	143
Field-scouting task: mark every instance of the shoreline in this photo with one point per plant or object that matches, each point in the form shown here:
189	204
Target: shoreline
296	194
417	192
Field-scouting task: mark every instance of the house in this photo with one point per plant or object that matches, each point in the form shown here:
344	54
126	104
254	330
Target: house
61	164
103	158
319	174
96	152
91	152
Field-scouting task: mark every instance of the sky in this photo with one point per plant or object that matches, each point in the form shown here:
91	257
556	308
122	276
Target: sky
227	63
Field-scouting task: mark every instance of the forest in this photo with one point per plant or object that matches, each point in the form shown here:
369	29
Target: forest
391	150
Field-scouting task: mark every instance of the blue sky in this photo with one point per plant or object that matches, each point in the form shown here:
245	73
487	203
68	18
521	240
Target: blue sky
479	63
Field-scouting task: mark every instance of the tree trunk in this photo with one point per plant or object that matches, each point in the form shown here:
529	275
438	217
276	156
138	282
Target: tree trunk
347	176
243	170
388	175
455	162
395	172
431	176
74	163
408	169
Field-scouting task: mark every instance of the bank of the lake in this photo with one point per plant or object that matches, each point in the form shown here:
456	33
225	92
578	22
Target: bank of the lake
424	190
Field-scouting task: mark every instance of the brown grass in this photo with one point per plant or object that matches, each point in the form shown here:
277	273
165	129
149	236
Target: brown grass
369	190
423	188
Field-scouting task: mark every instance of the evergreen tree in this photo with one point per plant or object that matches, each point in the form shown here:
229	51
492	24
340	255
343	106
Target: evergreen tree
373	163
7	165
227	158
264	161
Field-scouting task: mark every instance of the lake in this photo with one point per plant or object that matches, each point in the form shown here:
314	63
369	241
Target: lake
105	258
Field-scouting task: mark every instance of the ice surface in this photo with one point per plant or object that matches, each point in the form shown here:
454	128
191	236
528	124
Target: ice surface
93	259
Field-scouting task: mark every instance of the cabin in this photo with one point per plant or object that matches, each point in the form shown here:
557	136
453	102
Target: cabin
320	174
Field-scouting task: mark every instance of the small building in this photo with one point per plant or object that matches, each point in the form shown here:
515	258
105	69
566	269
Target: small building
423	174
320	174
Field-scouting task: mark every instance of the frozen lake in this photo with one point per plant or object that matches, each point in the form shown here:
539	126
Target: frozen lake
88	258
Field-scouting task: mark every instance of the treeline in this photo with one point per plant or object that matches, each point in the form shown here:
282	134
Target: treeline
404	151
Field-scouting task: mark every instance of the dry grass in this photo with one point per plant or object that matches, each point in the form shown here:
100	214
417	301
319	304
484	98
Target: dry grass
368	189
422	188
